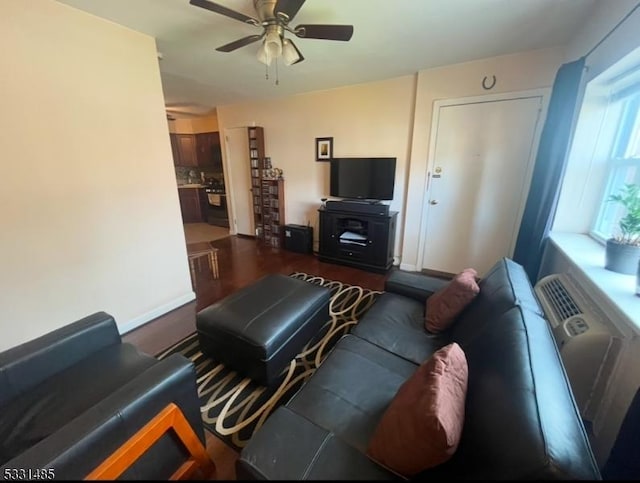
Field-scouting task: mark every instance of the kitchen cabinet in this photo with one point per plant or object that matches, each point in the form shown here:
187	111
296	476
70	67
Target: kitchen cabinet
192	204
209	152
175	149
197	150
187	149
216	151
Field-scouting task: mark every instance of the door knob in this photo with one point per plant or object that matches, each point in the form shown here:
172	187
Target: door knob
433	202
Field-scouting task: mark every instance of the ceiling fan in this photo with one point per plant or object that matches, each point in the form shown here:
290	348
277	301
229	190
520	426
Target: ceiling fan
274	17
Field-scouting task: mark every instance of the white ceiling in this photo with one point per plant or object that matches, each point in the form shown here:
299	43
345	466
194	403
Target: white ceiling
391	38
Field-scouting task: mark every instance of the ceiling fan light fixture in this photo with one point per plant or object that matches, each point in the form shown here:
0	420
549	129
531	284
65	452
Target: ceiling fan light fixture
273	44
264	55
289	52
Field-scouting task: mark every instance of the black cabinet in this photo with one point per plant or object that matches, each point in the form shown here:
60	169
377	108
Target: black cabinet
356	239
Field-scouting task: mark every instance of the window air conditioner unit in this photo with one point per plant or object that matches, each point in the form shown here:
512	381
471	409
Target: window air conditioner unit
588	342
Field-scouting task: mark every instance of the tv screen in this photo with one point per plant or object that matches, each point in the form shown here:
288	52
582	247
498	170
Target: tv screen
363	178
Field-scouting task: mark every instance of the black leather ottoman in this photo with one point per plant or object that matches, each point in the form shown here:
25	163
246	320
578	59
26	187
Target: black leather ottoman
260	328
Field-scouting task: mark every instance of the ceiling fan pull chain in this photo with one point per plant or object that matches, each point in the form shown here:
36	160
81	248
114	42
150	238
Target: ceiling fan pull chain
266	71
277	78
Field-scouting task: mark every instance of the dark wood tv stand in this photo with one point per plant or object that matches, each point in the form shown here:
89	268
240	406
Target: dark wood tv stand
359	240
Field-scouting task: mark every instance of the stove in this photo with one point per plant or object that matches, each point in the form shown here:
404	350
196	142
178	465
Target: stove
217	206
217	191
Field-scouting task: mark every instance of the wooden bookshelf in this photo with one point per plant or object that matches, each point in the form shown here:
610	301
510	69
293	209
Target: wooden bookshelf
273	211
256	160
267	192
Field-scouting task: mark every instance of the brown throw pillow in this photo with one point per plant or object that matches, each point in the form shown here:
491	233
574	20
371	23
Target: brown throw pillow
422	426
446	304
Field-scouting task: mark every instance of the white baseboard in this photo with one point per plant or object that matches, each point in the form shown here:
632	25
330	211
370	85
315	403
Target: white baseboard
408	268
155	313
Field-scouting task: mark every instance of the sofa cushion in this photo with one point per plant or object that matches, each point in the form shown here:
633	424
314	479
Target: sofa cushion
447	303
350	391
42	410
309	453
519	400
422	426
396	323
503	287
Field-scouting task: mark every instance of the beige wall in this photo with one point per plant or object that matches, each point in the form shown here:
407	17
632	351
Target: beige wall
195	125
88	207
516	72
373	119
204	124
377	119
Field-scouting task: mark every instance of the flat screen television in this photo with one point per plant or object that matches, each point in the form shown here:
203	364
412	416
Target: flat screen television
363	178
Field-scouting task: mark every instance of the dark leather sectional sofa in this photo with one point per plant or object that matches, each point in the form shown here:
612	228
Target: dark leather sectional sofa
521	421
70	398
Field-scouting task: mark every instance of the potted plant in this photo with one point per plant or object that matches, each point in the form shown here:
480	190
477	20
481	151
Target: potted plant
623	250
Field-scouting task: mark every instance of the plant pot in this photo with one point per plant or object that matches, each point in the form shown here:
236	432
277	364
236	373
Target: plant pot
621	258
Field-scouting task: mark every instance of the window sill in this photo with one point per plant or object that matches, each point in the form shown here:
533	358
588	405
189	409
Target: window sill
616	290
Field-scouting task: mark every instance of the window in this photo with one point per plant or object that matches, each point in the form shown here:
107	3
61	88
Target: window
623	166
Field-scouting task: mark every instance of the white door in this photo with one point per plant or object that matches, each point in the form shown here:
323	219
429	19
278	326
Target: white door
479	179
237	145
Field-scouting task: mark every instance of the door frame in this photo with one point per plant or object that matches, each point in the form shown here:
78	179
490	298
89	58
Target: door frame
230	188
542	93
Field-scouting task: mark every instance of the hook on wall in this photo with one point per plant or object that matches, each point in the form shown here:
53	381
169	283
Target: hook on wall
484	83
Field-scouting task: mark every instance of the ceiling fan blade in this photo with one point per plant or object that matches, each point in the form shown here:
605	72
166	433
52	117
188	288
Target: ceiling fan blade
288	7
231	46
326	32
298	51
214	7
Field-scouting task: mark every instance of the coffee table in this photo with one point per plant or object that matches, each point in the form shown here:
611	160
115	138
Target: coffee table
260	328
202	249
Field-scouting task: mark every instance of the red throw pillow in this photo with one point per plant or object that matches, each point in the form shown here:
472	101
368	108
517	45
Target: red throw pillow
422	426
446	304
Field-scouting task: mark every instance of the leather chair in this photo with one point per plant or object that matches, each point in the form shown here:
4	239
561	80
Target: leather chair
70	398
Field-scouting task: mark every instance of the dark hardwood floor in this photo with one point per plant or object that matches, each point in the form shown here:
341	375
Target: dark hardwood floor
243	260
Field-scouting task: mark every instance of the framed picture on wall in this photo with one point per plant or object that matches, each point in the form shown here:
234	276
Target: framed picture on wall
324	149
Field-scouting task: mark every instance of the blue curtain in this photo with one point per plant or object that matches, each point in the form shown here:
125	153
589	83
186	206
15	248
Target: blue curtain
549	167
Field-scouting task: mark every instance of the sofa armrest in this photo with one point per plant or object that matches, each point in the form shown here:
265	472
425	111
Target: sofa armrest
81	445
413	284
28	364
290	447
